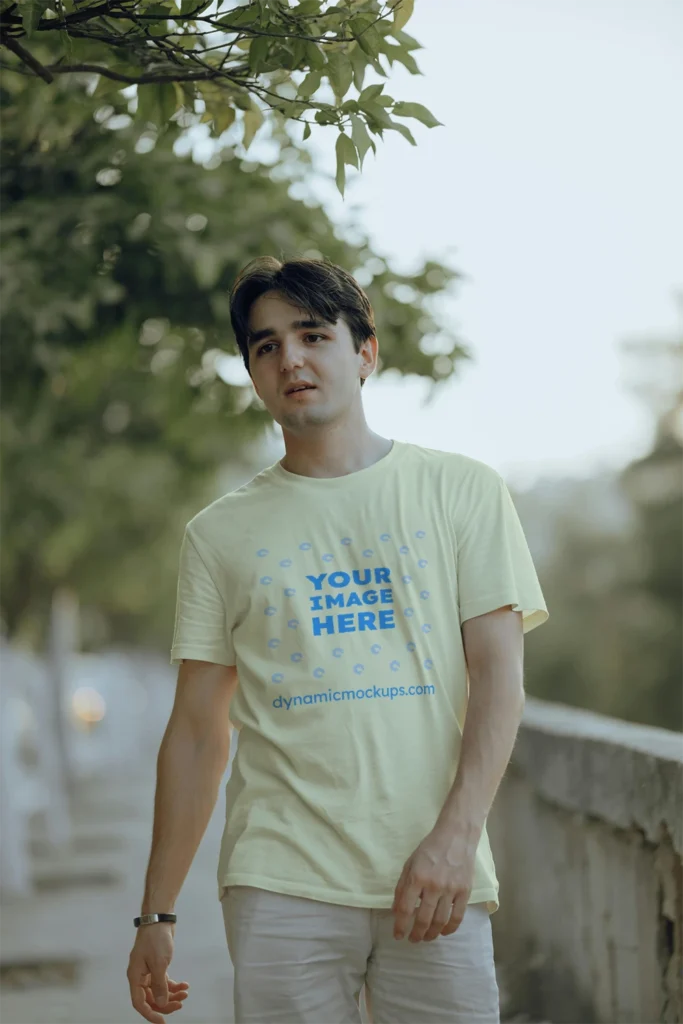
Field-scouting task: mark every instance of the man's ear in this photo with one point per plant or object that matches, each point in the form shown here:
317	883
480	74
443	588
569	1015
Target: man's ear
370	351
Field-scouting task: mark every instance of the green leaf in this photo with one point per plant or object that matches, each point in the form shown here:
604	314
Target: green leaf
417	111
258	54
224	117
359	65
406	59
366	35
307	130
253	119
405	132
406	41
306	8
403	10
361	138
346	148
309	85
157	103
340	75
31	13
340	176
168	101
314	56
370	93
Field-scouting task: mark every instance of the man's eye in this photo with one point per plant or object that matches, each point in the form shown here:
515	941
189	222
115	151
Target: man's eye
310	336
264	348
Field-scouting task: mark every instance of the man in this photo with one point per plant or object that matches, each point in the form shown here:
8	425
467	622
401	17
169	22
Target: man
357	610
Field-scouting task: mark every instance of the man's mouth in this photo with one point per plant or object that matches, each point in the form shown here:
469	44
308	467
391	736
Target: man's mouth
295	388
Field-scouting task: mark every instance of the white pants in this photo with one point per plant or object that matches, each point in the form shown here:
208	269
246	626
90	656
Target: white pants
301	961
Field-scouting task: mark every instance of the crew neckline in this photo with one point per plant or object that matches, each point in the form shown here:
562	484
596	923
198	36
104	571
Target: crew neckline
282	475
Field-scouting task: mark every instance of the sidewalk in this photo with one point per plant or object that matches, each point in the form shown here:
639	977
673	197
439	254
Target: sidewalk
83	911
83	908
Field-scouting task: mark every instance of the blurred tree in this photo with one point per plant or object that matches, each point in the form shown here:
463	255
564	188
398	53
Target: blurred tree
118	258
227	64
614	584
655	486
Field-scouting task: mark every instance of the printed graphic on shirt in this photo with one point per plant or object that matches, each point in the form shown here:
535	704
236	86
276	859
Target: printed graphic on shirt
350	614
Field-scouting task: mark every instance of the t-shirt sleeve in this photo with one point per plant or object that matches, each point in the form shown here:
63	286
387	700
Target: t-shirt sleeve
494	564
202	627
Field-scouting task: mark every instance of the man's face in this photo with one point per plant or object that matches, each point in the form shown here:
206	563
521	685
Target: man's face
287	348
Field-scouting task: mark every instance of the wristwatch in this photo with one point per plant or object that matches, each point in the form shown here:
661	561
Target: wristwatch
153	918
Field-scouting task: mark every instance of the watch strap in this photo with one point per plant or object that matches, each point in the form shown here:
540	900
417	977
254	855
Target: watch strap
153	919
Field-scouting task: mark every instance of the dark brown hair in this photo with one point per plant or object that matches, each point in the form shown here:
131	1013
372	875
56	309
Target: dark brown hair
320	287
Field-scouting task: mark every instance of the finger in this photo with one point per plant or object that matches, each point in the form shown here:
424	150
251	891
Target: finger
398	891
442	915
457	914
424	917
170	1006
139	999
405	909
160	987
173	997
177	986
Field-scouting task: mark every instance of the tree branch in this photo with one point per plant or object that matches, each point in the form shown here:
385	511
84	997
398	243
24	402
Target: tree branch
27	58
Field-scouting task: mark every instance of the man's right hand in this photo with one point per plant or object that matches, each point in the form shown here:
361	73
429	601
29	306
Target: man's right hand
152	992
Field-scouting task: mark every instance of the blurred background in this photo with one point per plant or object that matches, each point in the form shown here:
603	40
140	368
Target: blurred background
525	263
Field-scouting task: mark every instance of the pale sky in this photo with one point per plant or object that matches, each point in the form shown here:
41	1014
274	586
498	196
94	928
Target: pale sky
555	186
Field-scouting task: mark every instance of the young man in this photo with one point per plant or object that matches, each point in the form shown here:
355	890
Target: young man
357	610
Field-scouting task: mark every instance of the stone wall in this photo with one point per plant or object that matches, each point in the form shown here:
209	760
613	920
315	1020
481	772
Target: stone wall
587	832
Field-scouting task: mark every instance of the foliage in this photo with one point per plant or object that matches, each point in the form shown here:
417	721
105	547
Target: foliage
265	60
118	258
613	641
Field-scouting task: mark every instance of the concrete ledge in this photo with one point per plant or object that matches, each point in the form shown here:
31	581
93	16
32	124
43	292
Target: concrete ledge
624	774
587	833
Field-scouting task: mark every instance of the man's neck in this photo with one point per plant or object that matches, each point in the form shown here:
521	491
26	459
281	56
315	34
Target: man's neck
334	454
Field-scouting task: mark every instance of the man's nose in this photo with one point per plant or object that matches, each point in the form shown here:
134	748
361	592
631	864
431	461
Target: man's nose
291	355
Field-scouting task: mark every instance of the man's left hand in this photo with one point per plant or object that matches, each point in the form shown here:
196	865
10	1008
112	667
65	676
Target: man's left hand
439	874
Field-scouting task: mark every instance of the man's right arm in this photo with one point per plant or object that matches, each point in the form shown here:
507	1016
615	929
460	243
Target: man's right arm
192	760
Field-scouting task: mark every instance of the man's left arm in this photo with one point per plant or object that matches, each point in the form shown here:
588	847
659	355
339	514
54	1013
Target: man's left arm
441	870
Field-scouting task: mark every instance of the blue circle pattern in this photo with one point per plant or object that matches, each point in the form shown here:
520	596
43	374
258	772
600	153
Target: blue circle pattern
338	652
408	612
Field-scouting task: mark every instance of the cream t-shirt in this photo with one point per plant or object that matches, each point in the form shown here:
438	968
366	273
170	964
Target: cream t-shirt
340	602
